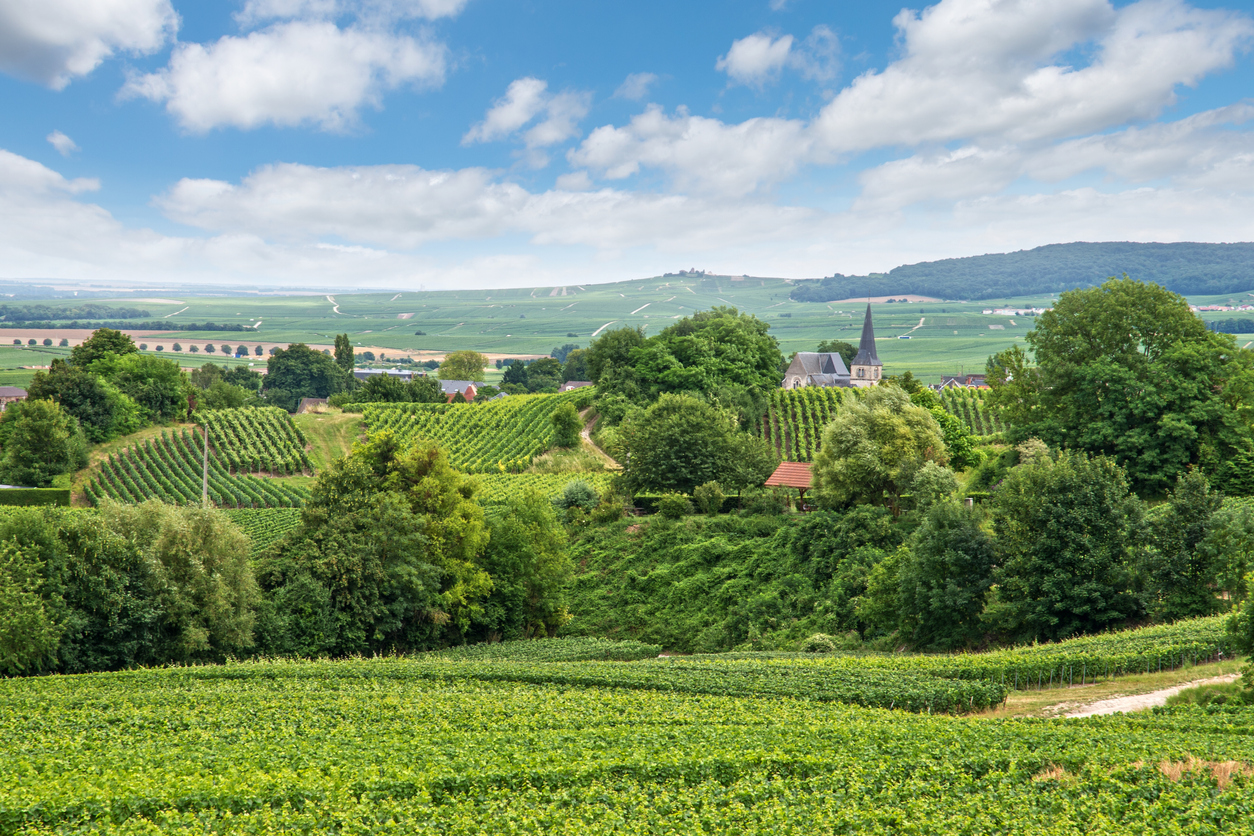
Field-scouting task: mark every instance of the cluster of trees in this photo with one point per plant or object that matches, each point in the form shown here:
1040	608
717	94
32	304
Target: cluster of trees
392	554
1056	268
88	310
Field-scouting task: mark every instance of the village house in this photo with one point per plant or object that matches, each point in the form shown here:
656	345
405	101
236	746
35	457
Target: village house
10	394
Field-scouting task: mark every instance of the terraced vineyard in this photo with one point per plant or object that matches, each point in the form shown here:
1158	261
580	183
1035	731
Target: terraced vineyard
495	488
169	468
264	526
794	421
969	406
501	436
256	440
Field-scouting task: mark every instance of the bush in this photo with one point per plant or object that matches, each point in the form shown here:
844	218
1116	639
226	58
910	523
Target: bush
819	643
566	426
763	502
35	496
709	498
674	506
577	495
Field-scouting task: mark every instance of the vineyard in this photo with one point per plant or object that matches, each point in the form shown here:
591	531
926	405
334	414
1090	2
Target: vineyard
264	526
257	439
500	436
969	406
794	421
528	739
169	468
496	488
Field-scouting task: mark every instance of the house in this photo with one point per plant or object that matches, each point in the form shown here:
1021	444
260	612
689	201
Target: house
405	375
574	384
965	381
452	387
10	394
812	368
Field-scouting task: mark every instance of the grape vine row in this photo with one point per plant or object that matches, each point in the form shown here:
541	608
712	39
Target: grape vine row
793	423
257	439
969	406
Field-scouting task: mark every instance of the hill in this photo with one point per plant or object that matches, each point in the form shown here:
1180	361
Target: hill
1186	268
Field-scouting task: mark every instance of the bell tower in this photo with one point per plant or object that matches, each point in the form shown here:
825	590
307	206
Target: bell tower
866	368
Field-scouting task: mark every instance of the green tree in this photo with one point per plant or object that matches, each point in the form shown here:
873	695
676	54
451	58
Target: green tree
576	365
545	373
847	351
1126	370
566	425
103	342
223	395
301	372
610	364
711	349
873	449
530	569
681	442
391	539
158	386
1181	575
38	441
29	635
944	577
97	406
344	353
1067	530
462	365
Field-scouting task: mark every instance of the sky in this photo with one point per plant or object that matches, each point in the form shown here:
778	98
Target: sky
448	144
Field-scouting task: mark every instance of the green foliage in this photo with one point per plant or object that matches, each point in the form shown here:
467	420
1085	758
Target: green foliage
158	387
1180	574
794	420
709	498
102	410
37	442
674	506
1184	268
257	439
223	395
569	649
527	559
103	343
681	442
29	636
575	366
497	488
24	498
170	468
1066	533
566	426
873	449
463	365
299	371
493	437
931	485
344	354
577	495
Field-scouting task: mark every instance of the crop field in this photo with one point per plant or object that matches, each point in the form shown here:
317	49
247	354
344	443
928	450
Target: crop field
264	526
794	421
496	437
548	737
169	468
257	439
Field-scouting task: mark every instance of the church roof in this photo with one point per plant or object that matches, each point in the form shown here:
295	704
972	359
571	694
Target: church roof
866	346
813	362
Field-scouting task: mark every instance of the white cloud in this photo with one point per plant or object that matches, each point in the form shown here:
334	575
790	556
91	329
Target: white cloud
703	155
756	59
64	145
526	99
259	11
53	41
635	86
289	74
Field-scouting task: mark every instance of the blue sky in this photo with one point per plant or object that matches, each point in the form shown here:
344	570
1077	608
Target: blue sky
482	143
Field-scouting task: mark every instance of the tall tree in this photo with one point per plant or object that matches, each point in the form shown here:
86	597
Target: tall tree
462	365
102	343
344	353
301	372
37	442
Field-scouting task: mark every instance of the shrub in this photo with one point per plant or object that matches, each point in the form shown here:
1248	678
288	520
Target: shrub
819	643
577	495
566	426
709	498
673	506
763	502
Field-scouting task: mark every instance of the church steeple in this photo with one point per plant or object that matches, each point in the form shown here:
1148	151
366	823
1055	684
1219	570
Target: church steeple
866	367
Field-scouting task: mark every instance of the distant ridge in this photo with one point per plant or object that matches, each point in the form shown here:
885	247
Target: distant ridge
1187	268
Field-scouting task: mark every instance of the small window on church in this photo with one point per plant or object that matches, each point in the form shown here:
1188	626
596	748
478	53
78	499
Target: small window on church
861	372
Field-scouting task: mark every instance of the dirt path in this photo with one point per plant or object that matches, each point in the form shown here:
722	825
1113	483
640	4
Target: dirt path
586	434
1140	702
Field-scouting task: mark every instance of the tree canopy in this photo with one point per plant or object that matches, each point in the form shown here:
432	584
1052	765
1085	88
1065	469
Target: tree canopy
301	372
37	442
462	365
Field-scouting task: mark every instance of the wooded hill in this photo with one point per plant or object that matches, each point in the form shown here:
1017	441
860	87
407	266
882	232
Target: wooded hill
1186	268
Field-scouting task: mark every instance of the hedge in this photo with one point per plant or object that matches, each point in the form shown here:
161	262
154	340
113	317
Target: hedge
35	496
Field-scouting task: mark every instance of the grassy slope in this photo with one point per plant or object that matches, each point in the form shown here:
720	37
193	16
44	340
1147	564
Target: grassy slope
330	435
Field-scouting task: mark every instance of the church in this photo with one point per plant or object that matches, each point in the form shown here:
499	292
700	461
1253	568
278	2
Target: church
812	368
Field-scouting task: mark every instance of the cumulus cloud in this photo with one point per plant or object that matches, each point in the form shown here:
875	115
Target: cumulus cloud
289	74
64	145
53	41
526	99
755	60
635	86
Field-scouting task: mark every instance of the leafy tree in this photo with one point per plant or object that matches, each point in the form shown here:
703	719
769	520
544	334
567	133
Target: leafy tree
609	361
462	365
958	443
709	498
681	442
530	569
64	343
38	441
194	349
257	351
209	348
102	343
1181	575
1066	532
29	635
391	538
944	577
156	385
100	408
301	372
47	341
576	365
560	354
717	348
567	425
1126	370
344	353
223	395
177	347
873	449
847	351
545	373
244	378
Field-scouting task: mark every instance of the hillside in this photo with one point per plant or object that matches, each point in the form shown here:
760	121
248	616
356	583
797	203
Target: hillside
1186	268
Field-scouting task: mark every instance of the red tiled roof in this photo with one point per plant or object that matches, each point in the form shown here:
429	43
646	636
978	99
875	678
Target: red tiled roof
790	475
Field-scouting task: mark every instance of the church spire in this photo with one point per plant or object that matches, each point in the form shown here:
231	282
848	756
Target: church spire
866	347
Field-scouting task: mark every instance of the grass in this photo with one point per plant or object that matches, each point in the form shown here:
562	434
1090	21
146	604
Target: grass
1052	702
331	435
558	460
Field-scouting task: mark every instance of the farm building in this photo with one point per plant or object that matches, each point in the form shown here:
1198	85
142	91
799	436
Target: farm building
965	381
574	384
812	368
10	394
452	387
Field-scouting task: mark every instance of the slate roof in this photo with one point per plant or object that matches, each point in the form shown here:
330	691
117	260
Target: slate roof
12	392
452	387
866	346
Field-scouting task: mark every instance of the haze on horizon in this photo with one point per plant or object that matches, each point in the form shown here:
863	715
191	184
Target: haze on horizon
480	143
